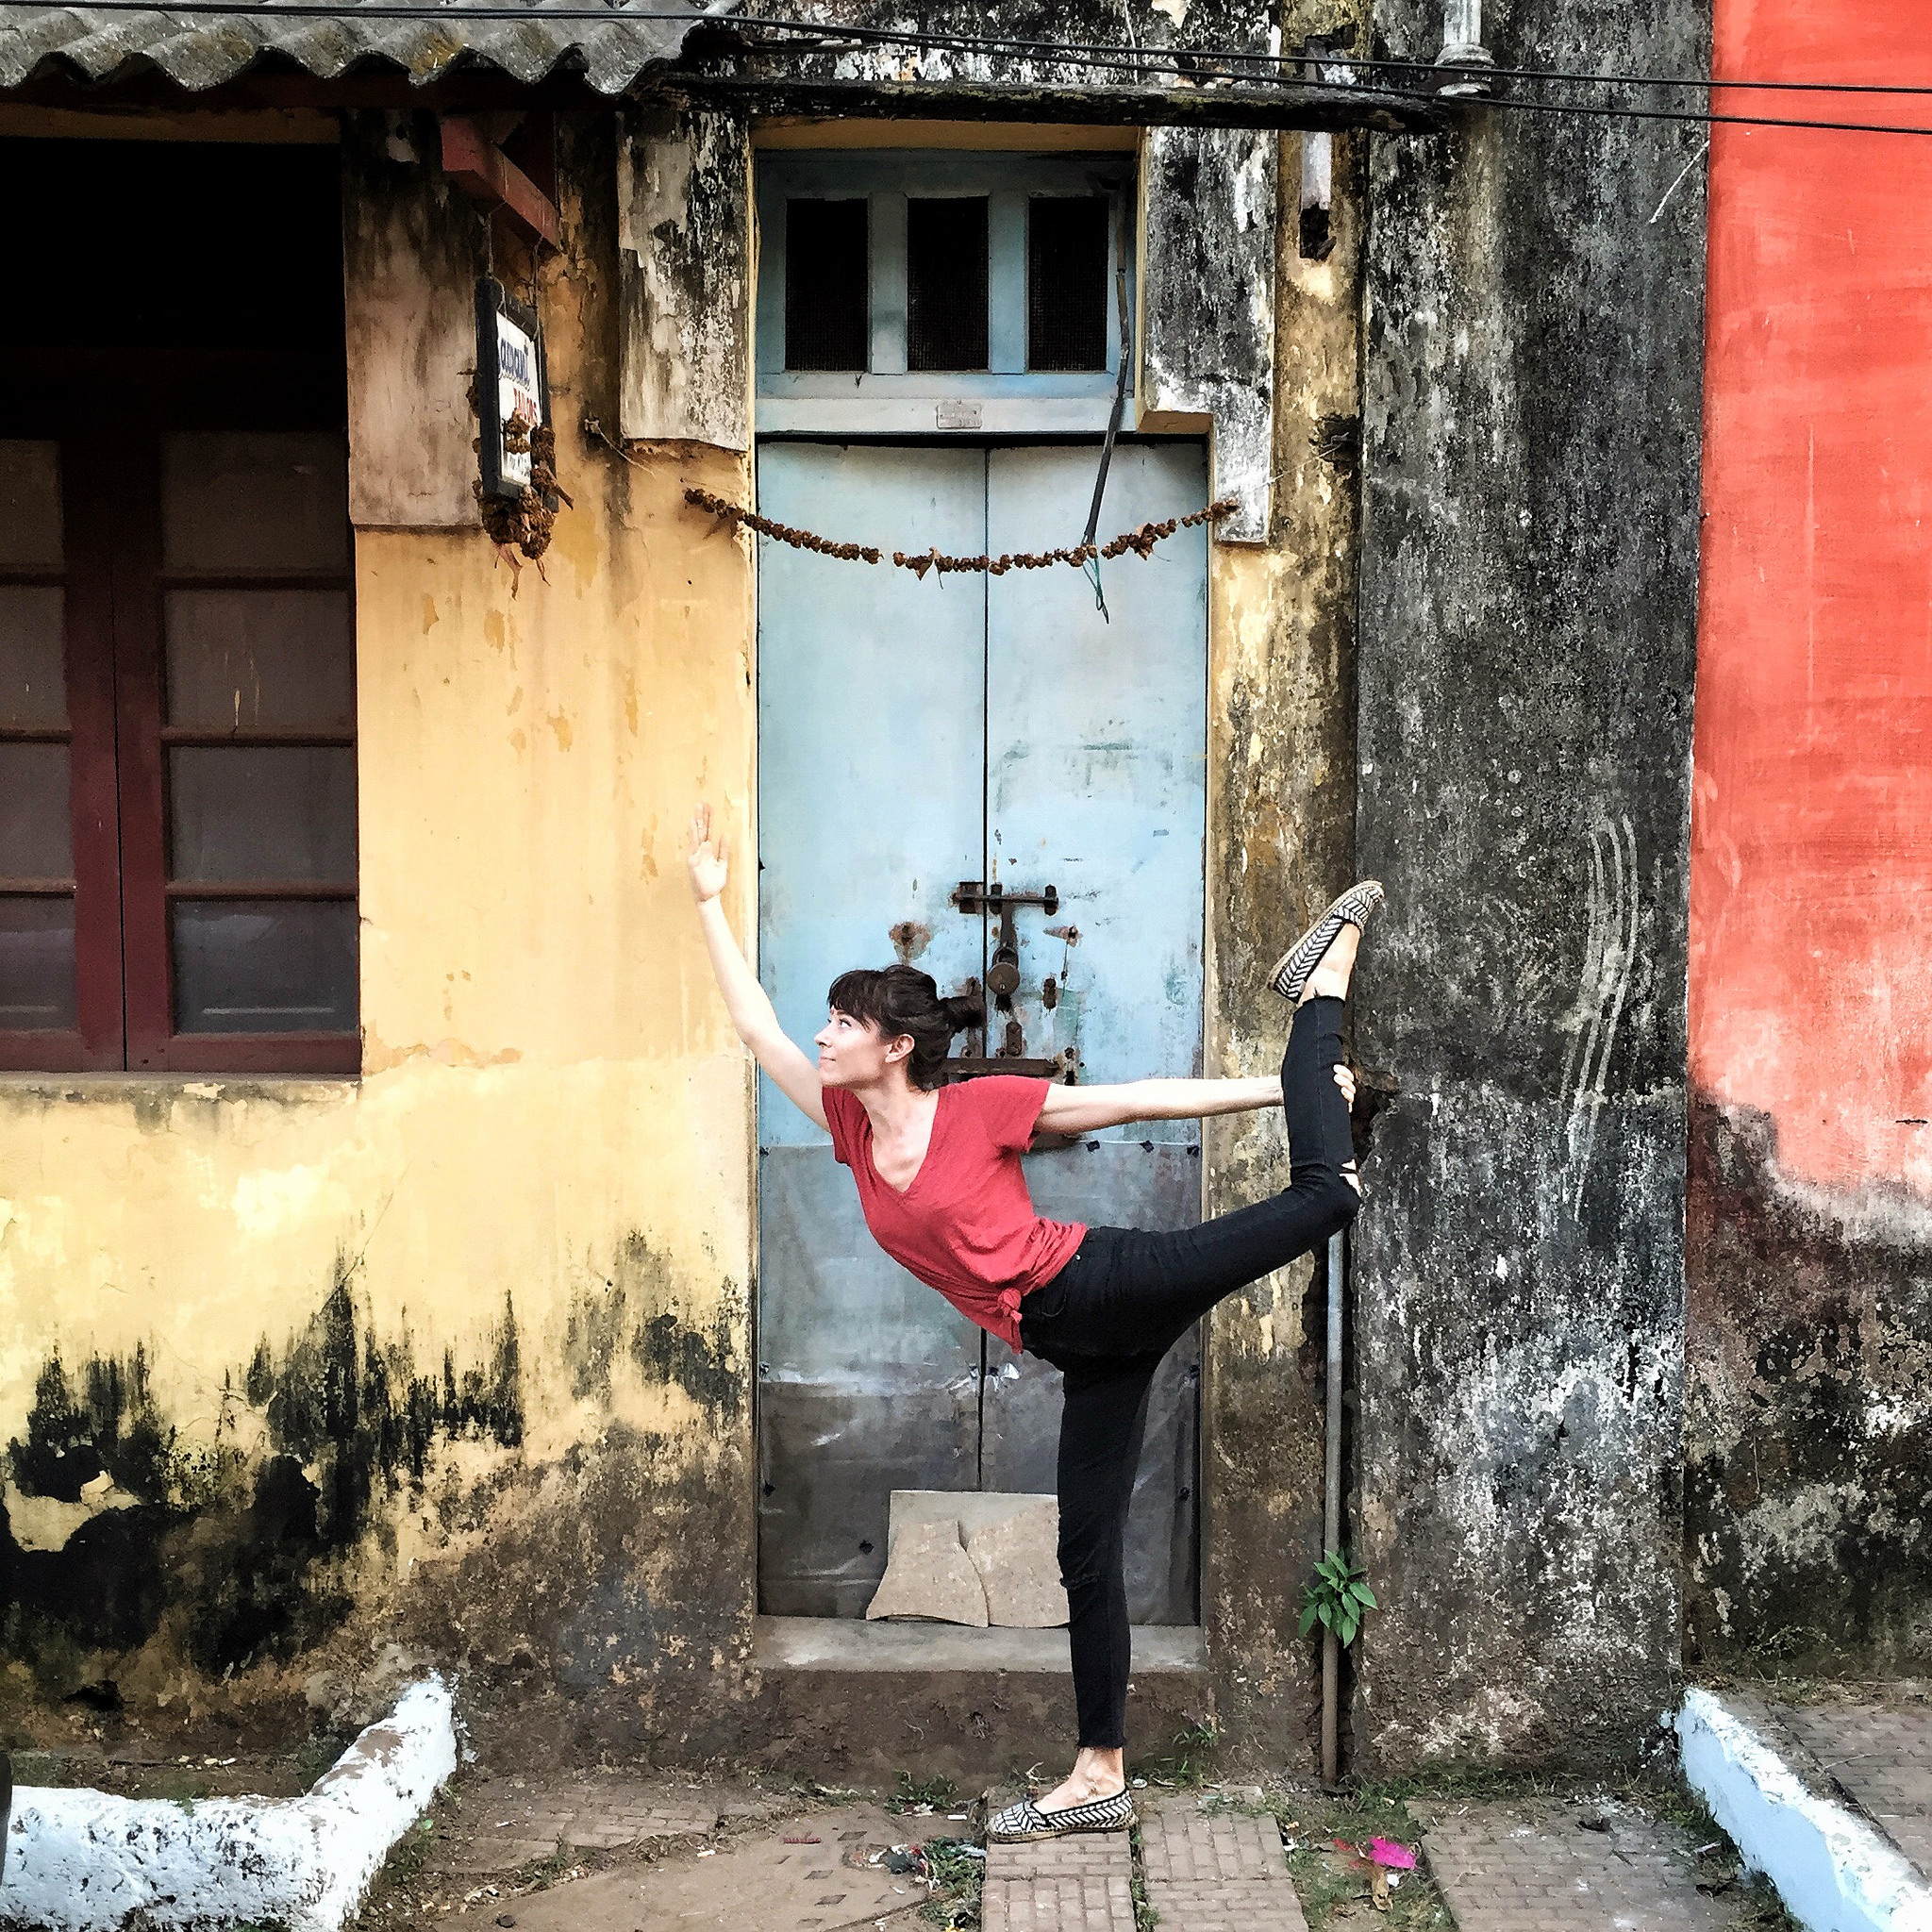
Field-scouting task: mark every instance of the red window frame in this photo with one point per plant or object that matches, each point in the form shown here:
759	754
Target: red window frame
118	738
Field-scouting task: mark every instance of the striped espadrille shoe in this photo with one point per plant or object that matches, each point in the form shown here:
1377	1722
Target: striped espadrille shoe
1353	908
1018	1823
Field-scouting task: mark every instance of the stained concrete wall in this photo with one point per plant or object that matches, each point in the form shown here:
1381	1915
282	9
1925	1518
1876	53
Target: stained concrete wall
1528	594
1809	1404
454	1354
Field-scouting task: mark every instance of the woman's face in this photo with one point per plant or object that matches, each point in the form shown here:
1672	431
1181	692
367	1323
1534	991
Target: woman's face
855	1053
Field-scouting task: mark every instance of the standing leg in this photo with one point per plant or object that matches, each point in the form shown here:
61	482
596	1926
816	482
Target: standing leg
1101	1428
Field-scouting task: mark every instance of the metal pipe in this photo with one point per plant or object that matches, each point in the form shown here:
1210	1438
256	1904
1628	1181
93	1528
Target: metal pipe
1331	1520
1316	234
1462	47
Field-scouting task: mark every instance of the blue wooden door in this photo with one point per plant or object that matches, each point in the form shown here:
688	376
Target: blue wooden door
1096	782
914	734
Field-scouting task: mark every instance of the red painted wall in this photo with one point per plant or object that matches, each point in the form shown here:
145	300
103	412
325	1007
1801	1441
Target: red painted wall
1811	828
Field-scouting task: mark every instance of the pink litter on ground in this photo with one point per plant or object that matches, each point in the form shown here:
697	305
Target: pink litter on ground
1385	1851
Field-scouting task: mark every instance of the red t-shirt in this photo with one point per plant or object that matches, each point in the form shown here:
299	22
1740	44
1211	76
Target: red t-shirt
966	1225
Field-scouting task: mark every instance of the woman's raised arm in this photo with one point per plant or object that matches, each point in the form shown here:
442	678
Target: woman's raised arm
745	1000
1083	1109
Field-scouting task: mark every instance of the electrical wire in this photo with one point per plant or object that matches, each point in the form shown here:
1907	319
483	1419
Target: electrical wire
1180	60
1190	60
1191	64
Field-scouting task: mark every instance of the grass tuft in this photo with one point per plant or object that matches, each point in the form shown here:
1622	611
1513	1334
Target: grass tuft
937	1792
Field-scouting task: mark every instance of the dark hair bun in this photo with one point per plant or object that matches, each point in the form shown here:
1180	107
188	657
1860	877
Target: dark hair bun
903	1002
963	1009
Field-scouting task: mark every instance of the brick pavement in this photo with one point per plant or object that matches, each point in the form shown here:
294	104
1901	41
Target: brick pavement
509	1822
1082	1884
1215	1870
1539	1868
812	1871
1880	1754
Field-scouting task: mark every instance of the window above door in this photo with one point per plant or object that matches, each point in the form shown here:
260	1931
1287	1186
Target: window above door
906	292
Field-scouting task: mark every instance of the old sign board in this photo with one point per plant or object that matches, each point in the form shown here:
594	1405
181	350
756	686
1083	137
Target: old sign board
513	388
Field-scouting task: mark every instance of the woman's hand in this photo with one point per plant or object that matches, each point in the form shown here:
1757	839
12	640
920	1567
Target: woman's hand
1344	1078
707	860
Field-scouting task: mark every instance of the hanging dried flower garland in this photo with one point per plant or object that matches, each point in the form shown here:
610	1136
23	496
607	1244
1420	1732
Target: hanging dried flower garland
1141	540
524	523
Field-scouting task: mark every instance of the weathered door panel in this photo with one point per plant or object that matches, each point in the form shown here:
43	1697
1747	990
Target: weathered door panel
867	819
915	733
825	1485
1096	735
1096	785
872	719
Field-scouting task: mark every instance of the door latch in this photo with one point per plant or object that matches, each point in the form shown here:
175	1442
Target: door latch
1003	970
974	895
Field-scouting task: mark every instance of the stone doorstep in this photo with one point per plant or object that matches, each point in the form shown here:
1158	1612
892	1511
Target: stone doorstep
848	1645
1787	1782
967	1703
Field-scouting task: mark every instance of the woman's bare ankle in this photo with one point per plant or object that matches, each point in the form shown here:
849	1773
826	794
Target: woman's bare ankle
1329	980
1095	1774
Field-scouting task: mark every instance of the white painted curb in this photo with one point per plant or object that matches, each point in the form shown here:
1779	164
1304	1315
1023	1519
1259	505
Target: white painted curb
1833	1870
82	1861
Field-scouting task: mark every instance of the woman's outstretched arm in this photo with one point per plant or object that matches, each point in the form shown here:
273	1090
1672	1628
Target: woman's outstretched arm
745	1000
1082	1109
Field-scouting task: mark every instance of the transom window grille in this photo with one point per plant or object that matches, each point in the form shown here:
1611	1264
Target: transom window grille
918	290
828	283
946	283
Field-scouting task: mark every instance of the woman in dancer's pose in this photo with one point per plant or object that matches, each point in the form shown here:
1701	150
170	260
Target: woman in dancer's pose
939	1176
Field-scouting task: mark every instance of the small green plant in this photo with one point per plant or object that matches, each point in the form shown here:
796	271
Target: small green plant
1187	1764
542	1874
957	1869
1337	1597
937	1792
1145	1917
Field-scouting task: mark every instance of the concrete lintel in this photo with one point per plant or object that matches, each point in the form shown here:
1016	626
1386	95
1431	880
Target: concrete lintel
1833	1870
84	1861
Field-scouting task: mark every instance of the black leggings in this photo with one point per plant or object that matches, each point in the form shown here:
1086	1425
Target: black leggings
1108	1318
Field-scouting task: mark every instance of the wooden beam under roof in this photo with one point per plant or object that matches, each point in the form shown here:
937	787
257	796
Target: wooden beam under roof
484	172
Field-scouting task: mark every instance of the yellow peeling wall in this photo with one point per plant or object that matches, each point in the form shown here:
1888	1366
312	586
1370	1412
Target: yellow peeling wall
546	1066
551	1130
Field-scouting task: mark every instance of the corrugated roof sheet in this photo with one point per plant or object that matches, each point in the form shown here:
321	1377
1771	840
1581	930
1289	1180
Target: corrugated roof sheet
202	51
